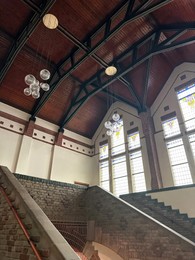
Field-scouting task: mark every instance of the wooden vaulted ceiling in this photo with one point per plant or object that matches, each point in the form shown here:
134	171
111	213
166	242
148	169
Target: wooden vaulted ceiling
144	39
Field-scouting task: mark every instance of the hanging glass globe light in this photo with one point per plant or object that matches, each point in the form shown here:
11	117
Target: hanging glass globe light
116	117
45	74
27	91
35	94
34	87
107	124
36	82
29	79
109	132
45	86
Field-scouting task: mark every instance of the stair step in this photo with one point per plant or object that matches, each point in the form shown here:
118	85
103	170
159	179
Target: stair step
165	214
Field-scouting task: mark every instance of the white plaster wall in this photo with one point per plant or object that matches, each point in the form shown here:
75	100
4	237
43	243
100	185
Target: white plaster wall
40	158
9	148
182	199
167	97
69	166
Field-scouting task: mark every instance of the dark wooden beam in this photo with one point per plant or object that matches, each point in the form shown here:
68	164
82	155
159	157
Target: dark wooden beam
22	37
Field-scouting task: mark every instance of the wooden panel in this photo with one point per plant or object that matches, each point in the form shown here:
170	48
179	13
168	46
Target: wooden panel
176	12
13	16
86	121
81	18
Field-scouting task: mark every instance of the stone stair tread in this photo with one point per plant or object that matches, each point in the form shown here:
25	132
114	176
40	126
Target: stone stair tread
165	214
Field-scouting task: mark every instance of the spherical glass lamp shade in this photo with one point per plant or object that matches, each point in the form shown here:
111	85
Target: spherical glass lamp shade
45	86
50	21
45	74
115	117
107	124
109	132
35	94
29	79
36	82
34	87
111	71
27	91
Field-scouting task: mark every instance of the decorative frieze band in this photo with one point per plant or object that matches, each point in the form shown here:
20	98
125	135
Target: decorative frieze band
20	126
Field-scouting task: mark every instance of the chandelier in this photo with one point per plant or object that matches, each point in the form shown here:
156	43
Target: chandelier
50	21
34	86
113	126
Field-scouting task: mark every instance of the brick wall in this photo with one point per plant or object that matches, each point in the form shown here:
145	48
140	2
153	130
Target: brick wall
131	234
61	202
13	243
118	226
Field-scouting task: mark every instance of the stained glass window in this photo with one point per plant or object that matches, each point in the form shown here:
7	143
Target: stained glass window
186	99
103	151
118	141
134	140
171	127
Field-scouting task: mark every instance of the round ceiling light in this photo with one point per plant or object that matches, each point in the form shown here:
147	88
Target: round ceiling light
50	21
111	71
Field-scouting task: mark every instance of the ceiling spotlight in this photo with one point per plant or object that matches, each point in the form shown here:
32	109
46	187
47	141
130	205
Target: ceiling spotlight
50	21
111	71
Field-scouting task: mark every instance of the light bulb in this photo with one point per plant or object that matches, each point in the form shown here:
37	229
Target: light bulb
34	87
27	91
111	71
115	117
45	86
107	124
50	21
29	79
35	94
109	132
45	74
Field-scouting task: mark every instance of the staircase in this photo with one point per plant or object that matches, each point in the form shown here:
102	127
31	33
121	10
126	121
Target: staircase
164	214
64	205
23	223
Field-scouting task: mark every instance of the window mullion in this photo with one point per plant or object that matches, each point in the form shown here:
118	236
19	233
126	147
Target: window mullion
128	165
110	165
